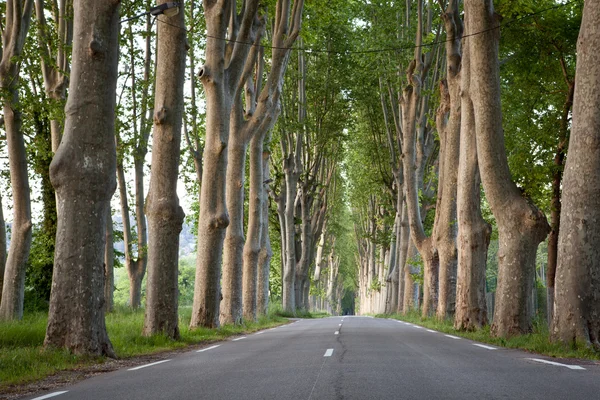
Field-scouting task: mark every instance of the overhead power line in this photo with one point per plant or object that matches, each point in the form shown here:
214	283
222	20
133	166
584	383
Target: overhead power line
388	49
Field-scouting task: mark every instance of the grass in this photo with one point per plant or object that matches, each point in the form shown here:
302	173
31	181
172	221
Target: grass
23	358
277	309
536	342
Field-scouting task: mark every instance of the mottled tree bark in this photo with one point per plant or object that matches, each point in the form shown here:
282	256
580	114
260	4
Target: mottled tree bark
473	231
521	226
577	306
165	216
265	254
18	15
445	229
555	204
109	263
403	273
2	246
83	175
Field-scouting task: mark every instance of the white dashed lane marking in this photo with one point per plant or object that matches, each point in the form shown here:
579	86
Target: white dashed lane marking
577	367
208	348
328	353
147	365
452	337
240	338
484	346
47	396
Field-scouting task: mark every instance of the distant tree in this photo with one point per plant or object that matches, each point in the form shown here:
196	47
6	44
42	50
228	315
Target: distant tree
14	32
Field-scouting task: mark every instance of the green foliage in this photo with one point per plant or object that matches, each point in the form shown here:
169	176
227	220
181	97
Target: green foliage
38	276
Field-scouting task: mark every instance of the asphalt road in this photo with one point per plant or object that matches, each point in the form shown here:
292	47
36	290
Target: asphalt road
345	358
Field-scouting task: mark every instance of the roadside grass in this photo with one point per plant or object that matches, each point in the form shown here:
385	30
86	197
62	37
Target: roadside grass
277	309
536	342
23	358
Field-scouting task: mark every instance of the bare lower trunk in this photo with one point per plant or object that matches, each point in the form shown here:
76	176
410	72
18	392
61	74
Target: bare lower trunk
2	246
231	306
402	256
252	246
576	316
11	305
473	231
521	226
559	161
109	264
165	216
264	257
141	262
409	282
83	174
288	278
133	272
13	38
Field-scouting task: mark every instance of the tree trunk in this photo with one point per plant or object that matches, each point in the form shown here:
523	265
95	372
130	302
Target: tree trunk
576	316
473	231
2	246
220	77
445	229
409	283
252	247
231	306
402	256
521	226
83	174
109	263
165	216
13	38
265	254
288	278
135	278
555	205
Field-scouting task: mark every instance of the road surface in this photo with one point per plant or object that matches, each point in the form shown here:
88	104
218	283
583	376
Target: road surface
345	358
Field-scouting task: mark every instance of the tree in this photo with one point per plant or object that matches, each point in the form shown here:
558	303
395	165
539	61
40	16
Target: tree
165	216
220	76
521	225
224	77
448	121
139	123
18	16
473	231
577	299
54	55
83	175
415	130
